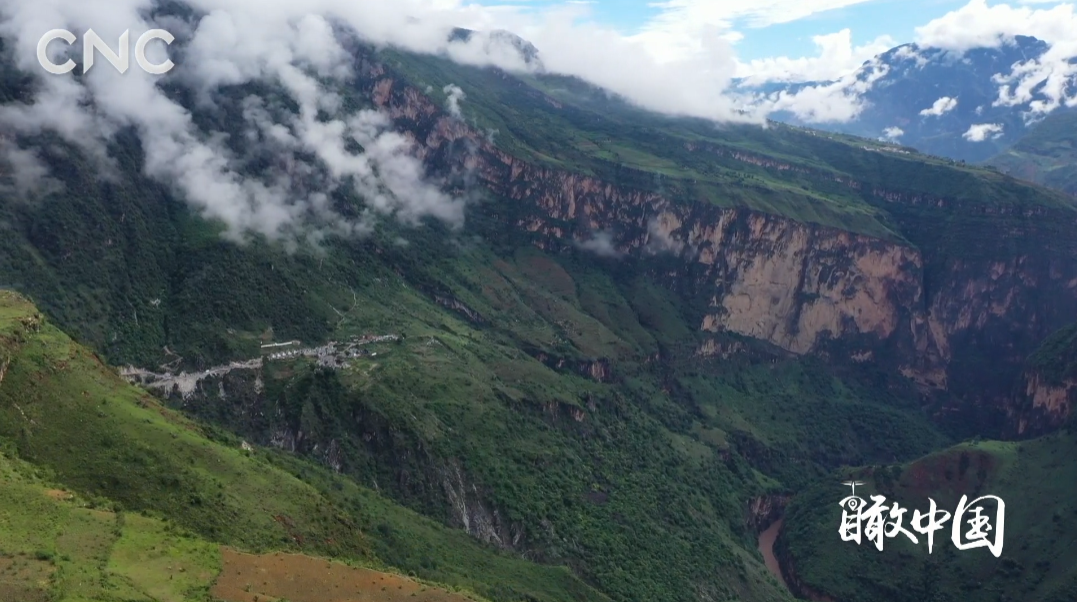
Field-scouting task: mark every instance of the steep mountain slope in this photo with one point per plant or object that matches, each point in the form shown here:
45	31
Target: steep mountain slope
940	245
67	420
1034	479
56	543
1048	390
647	330
1045	154
935	97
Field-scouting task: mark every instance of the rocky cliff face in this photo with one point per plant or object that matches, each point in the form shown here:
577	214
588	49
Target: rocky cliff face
802	287
471	512
796	585
792	284
595	369
1041	406
368	447
765	509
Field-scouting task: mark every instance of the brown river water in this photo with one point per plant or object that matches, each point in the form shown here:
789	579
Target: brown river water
766	548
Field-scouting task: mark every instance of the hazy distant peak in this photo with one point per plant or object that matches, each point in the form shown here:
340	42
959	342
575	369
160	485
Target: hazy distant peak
500	40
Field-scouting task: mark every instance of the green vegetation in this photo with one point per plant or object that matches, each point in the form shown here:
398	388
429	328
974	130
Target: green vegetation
1046	154
1037	561
58	546
783	170
1056	359
556	405
650	465
79	425
637	462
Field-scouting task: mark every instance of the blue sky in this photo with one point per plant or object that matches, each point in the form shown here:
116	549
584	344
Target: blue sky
648	46
867	20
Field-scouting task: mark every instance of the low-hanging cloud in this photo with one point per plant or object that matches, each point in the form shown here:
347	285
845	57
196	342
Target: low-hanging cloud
296	47
453	97
28	177
660	239
982	131
834	102
234	42
600	243
940	107
837	57
682	63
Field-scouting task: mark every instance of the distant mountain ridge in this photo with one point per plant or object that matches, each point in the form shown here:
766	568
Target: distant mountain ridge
500	40
648	335
935	100
1046	154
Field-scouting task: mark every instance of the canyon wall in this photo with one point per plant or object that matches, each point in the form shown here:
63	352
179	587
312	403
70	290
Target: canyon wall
958	319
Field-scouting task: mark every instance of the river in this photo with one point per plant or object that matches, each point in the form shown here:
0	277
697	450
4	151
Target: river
766	548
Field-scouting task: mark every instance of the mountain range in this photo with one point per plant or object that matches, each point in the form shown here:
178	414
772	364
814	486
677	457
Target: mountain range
943	102
421	328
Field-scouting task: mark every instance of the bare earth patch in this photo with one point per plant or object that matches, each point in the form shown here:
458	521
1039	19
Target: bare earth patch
298	578
24	579
58	494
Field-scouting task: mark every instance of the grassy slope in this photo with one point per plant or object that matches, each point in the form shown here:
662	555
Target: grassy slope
1046	154
64	412
218	300
1037	561
1056	359
57	544
678	433
565	123
655	448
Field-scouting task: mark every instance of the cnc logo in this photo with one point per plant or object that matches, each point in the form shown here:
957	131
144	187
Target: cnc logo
121	60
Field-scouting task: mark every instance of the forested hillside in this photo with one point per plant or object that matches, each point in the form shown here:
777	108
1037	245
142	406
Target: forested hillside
638	340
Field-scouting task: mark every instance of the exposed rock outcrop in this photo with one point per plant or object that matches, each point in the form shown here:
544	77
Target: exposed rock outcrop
765	509
1042	406
803	287
595	369
471	513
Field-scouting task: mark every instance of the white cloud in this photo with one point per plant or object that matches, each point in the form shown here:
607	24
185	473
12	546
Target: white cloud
245	41
982	131
839	101
681	14
893	133
293	44
837	57
28	177
909	52
601	244
453	97
1053	75
682	62
1041	84
659	237
978	25
684	28
690	81
940	106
